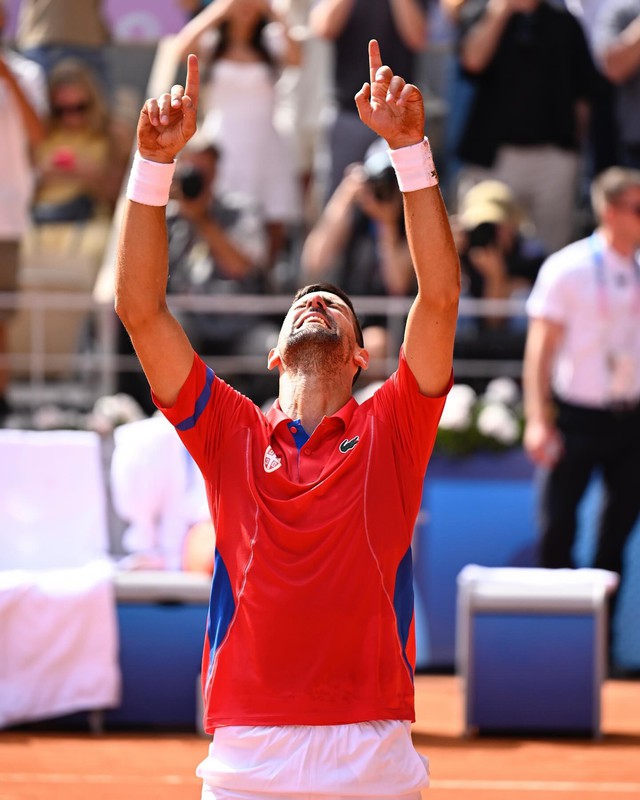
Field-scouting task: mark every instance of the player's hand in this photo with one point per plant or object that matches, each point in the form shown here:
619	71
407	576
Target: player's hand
543	443
390	106
167	122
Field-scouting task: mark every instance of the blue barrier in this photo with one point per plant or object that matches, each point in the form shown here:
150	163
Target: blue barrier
481	510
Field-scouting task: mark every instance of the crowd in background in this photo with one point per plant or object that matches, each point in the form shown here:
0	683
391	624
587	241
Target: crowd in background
283	184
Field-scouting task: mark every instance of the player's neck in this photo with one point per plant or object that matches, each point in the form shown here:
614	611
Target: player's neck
309	399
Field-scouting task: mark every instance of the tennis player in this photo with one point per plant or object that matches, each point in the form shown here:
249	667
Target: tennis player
309	649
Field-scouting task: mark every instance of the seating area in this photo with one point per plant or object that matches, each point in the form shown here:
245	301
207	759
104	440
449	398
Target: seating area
140	632
532	648
86	631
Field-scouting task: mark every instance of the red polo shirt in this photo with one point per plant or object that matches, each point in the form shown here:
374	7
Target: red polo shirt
311	612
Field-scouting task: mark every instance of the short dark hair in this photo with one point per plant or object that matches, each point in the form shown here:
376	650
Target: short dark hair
331	289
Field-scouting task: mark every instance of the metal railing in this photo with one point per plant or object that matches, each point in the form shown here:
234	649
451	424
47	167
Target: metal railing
96	366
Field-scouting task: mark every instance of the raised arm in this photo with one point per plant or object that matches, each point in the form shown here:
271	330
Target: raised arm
164	127
621	59
33	125
481	42
394	109
328	17
211	16
411	22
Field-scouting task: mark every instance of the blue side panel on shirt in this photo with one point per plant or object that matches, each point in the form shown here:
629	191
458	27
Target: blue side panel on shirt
222	606
201	403
403	602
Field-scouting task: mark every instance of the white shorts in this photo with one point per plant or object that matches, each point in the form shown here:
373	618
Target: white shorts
373	760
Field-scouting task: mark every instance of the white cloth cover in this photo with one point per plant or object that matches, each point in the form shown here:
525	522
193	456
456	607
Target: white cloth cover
538	577
157	488
58	634
59	642
52	499
534	587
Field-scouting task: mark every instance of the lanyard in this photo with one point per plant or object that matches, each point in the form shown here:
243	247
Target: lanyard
597	252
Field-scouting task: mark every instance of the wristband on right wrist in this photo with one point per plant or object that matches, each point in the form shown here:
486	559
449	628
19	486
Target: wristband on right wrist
150	181
414	166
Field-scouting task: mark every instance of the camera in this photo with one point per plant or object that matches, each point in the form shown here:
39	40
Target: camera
483	235
381	176
191	182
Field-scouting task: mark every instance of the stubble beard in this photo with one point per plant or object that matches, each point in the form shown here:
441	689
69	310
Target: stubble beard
316	351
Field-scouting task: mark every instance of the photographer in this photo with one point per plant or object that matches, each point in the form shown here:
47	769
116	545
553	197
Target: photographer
500	258
217	245
359	242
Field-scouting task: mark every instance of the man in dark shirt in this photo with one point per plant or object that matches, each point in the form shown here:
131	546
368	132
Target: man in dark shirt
218	245
617	43
401	29
534	79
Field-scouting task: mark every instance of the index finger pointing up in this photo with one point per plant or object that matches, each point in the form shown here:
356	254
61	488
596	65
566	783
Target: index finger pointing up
375	60
192	84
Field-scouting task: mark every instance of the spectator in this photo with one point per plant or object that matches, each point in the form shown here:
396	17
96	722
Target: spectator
601	152
159	492
534	78
303	91
499	258
50	31
217	245
401	29
252	45
80	164
359	241
23	99
460	88
582	376
617	42
499	254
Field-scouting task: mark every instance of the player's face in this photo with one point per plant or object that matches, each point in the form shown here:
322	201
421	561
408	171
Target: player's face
318	336
319	314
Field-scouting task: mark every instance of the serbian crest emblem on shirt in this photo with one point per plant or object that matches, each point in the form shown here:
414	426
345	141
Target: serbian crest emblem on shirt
271	460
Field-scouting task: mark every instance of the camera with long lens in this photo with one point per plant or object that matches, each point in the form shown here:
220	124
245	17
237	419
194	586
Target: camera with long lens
191	182
381	176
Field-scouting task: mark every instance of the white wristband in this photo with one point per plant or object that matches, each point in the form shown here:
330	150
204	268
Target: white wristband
150	181
414	166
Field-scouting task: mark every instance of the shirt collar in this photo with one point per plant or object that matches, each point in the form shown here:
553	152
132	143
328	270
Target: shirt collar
276	416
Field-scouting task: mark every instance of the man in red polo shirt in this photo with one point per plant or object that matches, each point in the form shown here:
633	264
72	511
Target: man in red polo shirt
309	650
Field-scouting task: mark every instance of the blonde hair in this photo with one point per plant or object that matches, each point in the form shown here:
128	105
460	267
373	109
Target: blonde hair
72	72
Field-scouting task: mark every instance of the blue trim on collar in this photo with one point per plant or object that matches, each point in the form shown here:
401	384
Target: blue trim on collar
300	436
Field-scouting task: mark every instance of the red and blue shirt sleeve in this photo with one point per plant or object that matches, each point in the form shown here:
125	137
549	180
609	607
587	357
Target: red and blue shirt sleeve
412	416
206	411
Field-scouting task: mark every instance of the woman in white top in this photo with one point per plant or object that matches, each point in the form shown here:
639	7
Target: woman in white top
250	47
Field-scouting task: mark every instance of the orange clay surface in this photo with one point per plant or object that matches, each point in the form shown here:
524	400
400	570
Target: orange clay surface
54	765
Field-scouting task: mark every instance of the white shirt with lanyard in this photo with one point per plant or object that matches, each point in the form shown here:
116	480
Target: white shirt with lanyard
594	293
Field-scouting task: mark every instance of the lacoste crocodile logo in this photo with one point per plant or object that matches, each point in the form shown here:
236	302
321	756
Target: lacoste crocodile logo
348	444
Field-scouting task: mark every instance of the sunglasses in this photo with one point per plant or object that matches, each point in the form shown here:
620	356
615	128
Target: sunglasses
634	208
77	108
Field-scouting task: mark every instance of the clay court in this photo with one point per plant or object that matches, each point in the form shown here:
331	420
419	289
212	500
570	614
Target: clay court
51	765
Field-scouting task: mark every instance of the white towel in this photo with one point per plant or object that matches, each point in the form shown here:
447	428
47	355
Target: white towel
58	642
